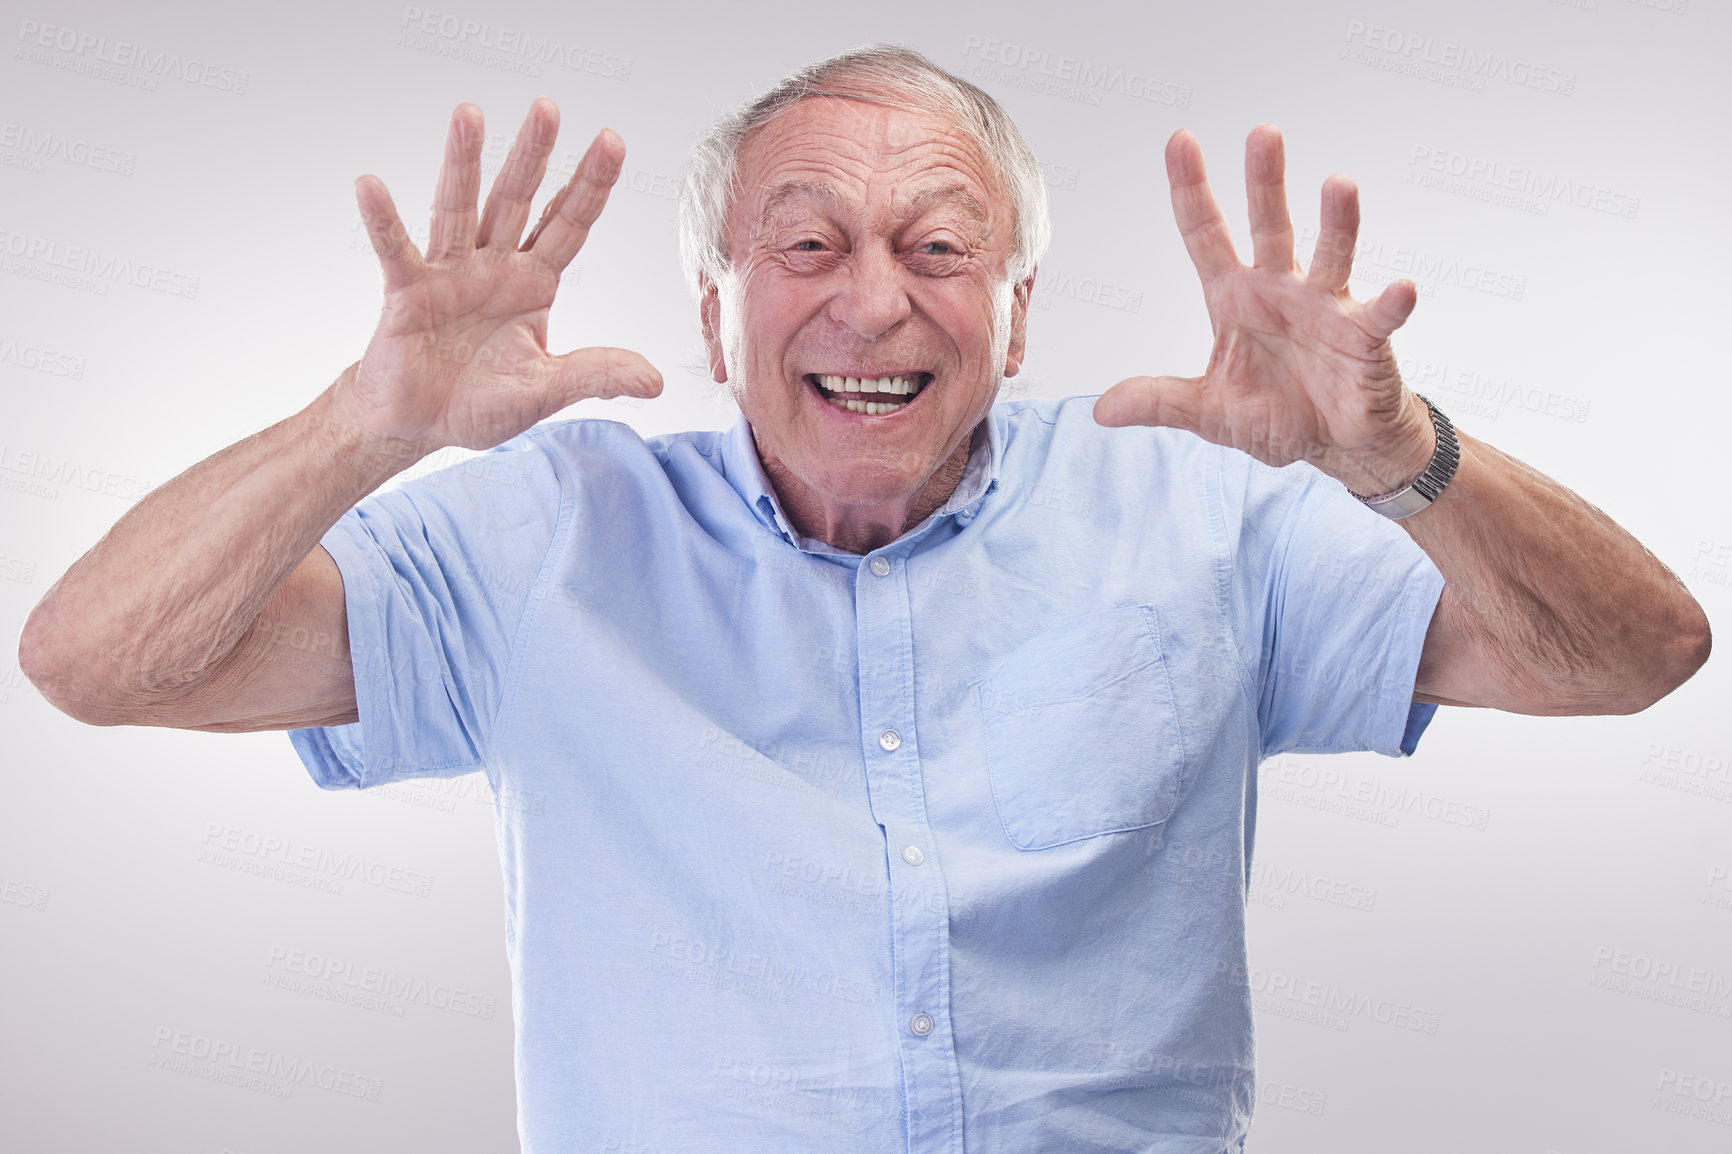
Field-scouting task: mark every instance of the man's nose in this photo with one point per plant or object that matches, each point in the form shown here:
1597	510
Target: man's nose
874	300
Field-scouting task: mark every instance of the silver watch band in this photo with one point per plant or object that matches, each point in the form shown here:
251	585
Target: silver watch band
1423	490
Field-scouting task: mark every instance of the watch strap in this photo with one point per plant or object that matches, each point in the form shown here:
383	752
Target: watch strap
1424	489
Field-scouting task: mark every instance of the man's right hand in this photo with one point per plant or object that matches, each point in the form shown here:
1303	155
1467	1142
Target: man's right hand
460	356
179	615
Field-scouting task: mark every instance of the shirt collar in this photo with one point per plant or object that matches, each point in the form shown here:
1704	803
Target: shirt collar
745	472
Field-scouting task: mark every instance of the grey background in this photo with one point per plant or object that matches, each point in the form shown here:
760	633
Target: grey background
1517	885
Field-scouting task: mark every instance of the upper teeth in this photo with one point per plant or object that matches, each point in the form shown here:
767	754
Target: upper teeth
901	385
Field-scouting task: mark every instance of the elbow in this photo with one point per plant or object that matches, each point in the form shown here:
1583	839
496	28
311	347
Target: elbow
1687	650
1695	642
38	650
49	660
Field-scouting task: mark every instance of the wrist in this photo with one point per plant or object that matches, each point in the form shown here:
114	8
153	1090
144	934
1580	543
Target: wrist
1402	457
1428	483
341	434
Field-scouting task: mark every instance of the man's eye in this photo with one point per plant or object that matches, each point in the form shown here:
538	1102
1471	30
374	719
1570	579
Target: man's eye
809	245
937	248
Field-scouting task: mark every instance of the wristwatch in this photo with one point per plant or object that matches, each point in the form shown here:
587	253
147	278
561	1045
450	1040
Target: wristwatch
1423	490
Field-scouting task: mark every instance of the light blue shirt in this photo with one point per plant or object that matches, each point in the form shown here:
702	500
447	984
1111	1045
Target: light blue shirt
940	848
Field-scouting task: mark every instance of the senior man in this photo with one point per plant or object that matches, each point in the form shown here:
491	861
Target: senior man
879	774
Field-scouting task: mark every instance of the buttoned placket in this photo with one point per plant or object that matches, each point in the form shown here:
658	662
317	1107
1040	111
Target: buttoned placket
918	904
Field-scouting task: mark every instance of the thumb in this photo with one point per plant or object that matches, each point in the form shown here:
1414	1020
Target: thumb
603	373
1391	308
1172	401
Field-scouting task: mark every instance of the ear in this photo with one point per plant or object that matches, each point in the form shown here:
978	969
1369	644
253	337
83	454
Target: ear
1018	325
710	318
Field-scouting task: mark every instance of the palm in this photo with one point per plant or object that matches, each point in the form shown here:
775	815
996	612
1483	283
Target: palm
460	355
1299	370
475	346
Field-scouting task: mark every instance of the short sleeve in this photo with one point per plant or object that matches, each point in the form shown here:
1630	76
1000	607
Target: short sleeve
437	574
1341	599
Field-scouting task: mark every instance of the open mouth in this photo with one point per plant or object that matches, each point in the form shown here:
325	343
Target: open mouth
869	395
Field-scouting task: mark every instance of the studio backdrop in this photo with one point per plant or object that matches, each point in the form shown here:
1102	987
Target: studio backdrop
1517	941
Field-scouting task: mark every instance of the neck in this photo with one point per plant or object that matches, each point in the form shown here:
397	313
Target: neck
861	528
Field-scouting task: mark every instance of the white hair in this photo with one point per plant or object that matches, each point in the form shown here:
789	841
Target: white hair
880	74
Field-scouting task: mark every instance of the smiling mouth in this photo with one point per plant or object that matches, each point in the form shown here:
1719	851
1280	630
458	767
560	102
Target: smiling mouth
869	395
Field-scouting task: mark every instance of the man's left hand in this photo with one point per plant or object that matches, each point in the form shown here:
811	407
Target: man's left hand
1300	370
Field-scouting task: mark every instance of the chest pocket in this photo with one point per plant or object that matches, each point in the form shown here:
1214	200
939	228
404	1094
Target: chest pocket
1081	731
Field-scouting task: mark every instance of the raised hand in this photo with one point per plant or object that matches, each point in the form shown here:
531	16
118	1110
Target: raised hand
1299	369
460	355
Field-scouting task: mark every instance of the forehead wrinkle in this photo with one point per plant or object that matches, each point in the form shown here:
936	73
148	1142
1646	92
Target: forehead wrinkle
839	170
861	161
958	195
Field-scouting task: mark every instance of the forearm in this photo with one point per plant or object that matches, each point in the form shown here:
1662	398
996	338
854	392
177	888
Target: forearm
1563	611
161	601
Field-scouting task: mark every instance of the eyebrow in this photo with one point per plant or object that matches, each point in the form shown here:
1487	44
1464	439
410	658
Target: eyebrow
920	202
956	194
794	190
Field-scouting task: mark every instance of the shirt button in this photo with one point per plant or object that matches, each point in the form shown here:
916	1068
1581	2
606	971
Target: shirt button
912	855
921	1024
889	739
880	567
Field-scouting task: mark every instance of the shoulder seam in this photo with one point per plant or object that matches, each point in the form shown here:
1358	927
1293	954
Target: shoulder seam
563	514
1224	580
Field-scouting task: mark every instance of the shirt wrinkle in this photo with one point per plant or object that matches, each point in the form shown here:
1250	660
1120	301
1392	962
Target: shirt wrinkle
942	849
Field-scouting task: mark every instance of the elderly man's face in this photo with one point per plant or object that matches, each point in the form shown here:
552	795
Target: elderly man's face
869	245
